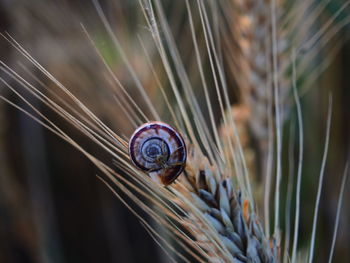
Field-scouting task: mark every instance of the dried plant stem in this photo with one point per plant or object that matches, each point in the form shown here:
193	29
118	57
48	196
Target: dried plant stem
340	202
320	180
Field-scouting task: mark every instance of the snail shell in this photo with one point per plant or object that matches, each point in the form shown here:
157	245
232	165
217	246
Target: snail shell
157	148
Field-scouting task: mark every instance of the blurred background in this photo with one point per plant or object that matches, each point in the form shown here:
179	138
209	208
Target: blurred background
53	208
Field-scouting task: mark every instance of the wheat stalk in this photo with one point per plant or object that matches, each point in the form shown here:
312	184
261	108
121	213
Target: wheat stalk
260	41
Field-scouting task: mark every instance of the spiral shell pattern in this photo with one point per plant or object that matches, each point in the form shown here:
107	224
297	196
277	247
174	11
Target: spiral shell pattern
157	148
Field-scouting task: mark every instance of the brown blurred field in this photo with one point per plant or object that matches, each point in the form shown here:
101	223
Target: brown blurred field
53	208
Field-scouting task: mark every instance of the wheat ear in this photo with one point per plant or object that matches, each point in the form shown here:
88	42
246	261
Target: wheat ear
222	209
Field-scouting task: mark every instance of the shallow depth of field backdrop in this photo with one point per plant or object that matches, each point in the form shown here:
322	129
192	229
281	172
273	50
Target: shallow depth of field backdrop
52	206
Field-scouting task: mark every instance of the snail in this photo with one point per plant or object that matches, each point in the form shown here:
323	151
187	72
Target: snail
158	149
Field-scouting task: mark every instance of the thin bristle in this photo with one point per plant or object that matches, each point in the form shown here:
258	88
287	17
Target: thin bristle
339	206
300	160
320	180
